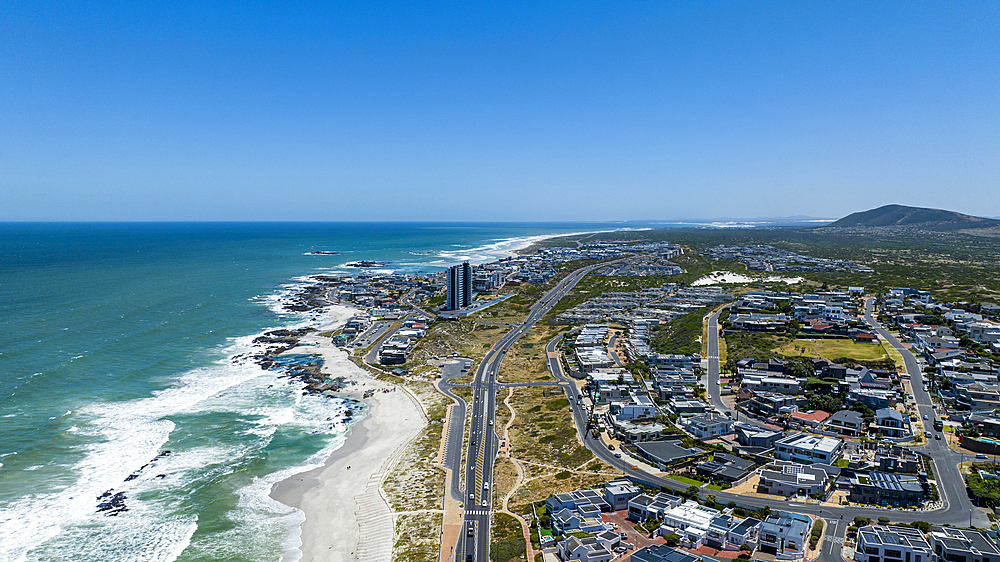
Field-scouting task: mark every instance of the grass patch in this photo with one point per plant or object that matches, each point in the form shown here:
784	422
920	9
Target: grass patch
507	540
559	404
831	348
685	479
681	336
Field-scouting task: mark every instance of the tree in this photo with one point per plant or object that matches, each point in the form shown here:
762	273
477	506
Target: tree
673	539
692	491
710	500
883	520
762	513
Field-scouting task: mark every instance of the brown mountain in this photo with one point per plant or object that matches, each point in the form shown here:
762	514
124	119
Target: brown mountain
913	218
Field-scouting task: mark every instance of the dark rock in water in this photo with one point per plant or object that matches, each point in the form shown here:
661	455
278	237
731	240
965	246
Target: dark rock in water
111	504
160	476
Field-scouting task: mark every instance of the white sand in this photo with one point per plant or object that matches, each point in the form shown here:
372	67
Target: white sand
327	495
719	277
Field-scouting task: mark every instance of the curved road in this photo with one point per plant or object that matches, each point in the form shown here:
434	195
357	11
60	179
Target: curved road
957	511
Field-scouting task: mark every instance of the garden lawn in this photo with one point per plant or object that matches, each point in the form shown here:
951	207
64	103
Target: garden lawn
833	348
685	480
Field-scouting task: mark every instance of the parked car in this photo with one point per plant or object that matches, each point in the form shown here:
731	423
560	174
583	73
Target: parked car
619	455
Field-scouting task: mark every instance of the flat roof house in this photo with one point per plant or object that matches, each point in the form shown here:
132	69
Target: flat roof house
644	506
877	543
790	479
783	536
617	493
709	425
662	453
662	553
896	490
955	545
808	449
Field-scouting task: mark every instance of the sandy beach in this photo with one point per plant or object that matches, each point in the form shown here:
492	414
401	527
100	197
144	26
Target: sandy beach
330	495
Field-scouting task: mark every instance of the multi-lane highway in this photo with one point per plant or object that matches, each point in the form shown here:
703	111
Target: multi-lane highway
483	441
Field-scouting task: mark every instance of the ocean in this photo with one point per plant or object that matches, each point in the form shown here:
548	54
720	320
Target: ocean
129	430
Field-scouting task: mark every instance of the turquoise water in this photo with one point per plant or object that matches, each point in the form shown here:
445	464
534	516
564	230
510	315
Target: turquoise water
117	344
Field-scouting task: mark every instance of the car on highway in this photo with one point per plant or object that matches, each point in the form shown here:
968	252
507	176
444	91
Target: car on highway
927	434
611	447
937	436
709	396
618	455
925	416
980	456
472	531
472	497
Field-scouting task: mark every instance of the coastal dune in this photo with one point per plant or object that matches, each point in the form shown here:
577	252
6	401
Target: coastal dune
346	516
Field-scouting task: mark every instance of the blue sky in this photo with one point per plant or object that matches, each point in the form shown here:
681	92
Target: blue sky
496	111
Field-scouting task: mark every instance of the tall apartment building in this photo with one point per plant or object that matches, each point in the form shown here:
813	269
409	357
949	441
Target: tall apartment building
459	287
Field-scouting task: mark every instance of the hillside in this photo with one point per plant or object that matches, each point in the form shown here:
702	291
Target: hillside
901	216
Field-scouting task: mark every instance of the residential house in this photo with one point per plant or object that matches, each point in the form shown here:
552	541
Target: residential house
617	493
877	543
812	418
690	521
725	467
892	423
744	533
808	449
956	545
574	499
874	398
771	404
631	432
662	553
847	422
756	436
644	506
709	425
784	537
791	479
587	549
895	490
664	454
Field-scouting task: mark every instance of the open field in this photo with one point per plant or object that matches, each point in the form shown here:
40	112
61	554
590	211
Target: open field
832	348
526	360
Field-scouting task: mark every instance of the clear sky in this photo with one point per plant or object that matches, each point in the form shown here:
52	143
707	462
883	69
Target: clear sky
496	110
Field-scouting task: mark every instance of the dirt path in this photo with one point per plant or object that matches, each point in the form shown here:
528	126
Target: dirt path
520	478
